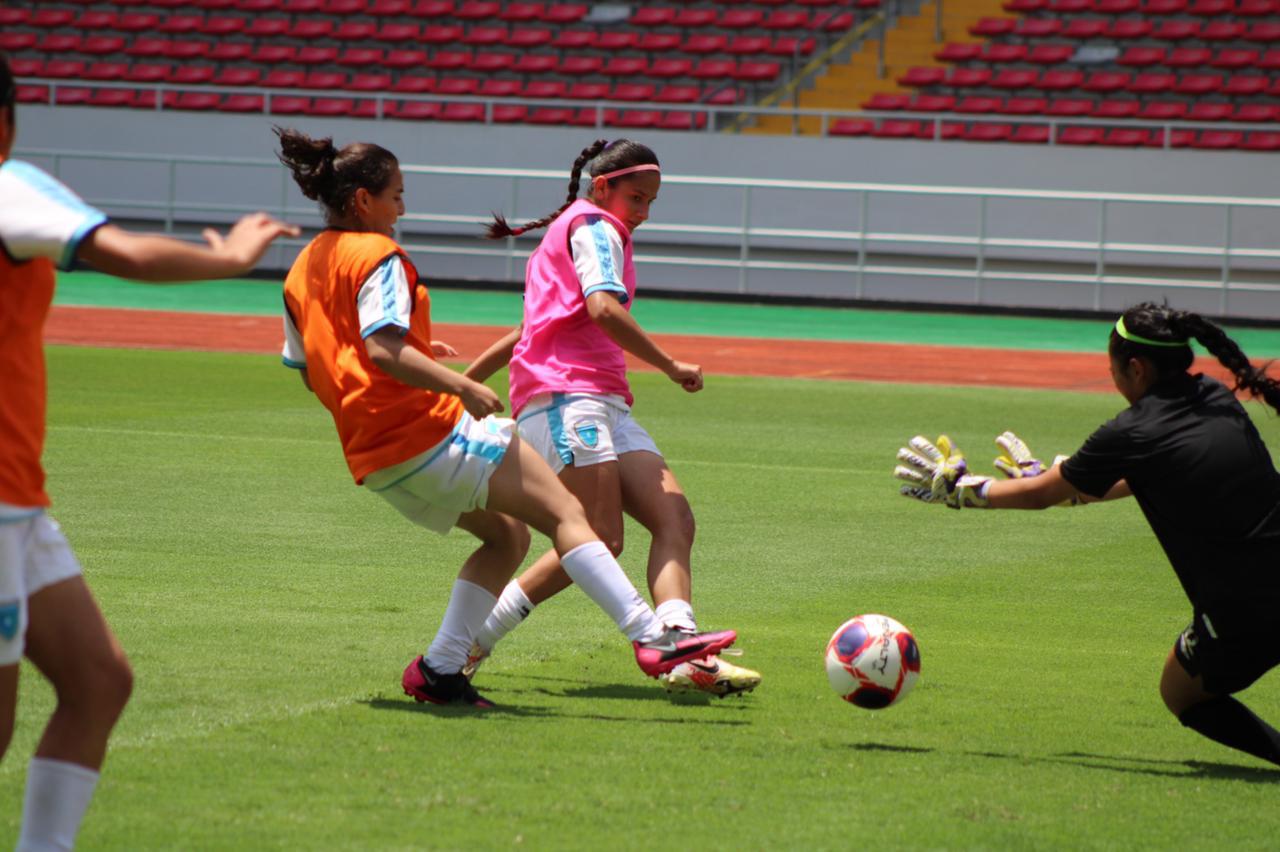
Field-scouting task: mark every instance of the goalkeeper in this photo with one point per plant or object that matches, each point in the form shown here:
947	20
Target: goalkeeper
1187	451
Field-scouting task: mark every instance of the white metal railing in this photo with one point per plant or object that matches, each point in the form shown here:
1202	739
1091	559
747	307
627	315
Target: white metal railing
704	116
738	239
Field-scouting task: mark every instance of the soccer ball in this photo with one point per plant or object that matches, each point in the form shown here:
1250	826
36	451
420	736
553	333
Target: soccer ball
872	661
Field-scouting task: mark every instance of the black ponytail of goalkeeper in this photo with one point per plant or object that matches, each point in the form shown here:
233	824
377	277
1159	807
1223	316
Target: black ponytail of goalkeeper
1162	335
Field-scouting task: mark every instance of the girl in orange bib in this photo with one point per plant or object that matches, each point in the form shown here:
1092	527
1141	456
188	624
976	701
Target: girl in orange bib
424	437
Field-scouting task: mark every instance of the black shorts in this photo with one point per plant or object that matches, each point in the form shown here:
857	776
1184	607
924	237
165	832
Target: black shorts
1228	659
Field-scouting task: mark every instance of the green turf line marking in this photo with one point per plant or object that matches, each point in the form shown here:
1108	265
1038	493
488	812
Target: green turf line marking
664	316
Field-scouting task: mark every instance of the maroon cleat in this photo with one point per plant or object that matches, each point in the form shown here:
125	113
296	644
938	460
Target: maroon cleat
426	684
675	647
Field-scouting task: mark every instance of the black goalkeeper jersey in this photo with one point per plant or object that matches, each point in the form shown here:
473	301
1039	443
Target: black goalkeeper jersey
1205	481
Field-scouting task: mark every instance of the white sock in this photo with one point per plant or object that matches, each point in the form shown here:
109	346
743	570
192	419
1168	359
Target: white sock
512	608
58	793
597	573
677	614
469	606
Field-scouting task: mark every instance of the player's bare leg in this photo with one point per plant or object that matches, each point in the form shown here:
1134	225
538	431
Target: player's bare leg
8	705
69	641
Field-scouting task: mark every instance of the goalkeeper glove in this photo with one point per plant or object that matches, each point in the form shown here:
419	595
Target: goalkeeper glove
1017	462
939	474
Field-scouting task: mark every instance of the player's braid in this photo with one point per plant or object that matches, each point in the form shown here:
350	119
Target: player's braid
1229	354
498	228
332	176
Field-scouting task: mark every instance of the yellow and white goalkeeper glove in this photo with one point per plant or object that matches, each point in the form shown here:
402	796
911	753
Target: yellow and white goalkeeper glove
938	473
1016	460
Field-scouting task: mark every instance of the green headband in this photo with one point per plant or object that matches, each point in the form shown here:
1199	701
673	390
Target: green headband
1146	341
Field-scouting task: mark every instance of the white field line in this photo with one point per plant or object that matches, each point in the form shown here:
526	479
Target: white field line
277	439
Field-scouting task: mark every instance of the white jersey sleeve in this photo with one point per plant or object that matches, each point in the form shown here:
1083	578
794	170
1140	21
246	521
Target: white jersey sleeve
597	255
40	217
294	354
384	298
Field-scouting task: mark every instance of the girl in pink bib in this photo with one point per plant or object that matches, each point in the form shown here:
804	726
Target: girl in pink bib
571	398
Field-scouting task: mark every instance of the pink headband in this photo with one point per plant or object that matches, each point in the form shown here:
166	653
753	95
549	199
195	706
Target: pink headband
647	167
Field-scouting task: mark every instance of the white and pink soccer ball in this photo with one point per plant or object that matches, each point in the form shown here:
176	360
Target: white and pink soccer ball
872	661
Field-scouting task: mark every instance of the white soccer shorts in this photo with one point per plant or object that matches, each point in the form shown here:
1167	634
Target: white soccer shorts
434	487
33	554
582	429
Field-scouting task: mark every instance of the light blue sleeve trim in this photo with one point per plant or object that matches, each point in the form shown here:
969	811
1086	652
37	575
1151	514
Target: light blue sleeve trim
608	288
73	245
295	365
381	324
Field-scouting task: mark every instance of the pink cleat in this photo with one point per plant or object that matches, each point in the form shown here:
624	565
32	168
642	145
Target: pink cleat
675	647
426	684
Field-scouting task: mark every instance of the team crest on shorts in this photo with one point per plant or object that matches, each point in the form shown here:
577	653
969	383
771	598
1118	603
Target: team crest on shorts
588	433
9	619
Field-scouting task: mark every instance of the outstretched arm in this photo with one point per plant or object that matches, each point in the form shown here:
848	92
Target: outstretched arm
497	356
617	322
155	258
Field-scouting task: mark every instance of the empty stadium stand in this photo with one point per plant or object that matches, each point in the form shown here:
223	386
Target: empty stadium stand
1061	70
470	60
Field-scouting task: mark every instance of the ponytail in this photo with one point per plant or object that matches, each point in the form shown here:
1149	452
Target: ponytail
607	157
499	228
331	176
1162	335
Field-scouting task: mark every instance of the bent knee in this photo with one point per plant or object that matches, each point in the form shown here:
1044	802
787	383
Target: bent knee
100	687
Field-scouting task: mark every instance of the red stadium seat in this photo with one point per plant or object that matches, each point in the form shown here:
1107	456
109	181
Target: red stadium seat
491	62
1012	79
1163	110
324	80
785	20
448	60
58	43
1060	79
190	74
180	24
791	46
1198	84
1176	30
273	54
632	118
557	13
1209	111
222	26
1219	30
1151	82
33	94
1234	59
931	103
1218	139
106	71
993	27
882	102
977	105
1070	107
1164	7
898	129
1260	141
457	86
485	36
959	52
83	21
1255	113
988	132
536	63
413	110
462	112
680	120
200	101
1105	81
670	68
1024	106
580	66
398	33
574	39
655	42
712	69
551	115
588	91
740	19
546	89
388	8
284	78
1038	27
1142	57
477	10
50	18
1126	137
1264	32
1188	57
1115	7
677	95
63	69
1129	29
694	18
923	76
331	106
432	9
757	72
1176	138
404	59
747	45
1117	109
267	27
1030	134
102	45
520	13
509	113
1084	29
497	87
1000	53
15	42
850	127
310	29
410	84
316	55
525	38
149	72
1050	54
968	78
1210	8
624	66
652	16
440	35
238	77
366	82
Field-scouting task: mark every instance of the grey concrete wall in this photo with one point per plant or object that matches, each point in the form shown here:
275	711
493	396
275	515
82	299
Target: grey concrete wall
881	161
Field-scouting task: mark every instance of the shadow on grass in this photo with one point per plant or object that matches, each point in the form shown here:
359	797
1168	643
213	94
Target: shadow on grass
1192	769
887	747
507	711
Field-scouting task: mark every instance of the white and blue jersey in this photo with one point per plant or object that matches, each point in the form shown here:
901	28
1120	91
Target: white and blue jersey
597	250
40	217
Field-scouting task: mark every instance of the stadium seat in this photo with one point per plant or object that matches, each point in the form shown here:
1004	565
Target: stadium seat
1163	110
968	78
1187	57
1209	111
1070	107
977	105
1060	80
520	13
1023	106
923	76
1030	134
988	132
850	127
1253	112
1126	137
1240	85
1261	141
931	103
1116	109
1218	139
883	102
896	129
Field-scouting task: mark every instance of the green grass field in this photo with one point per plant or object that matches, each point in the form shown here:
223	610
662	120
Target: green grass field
269	606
